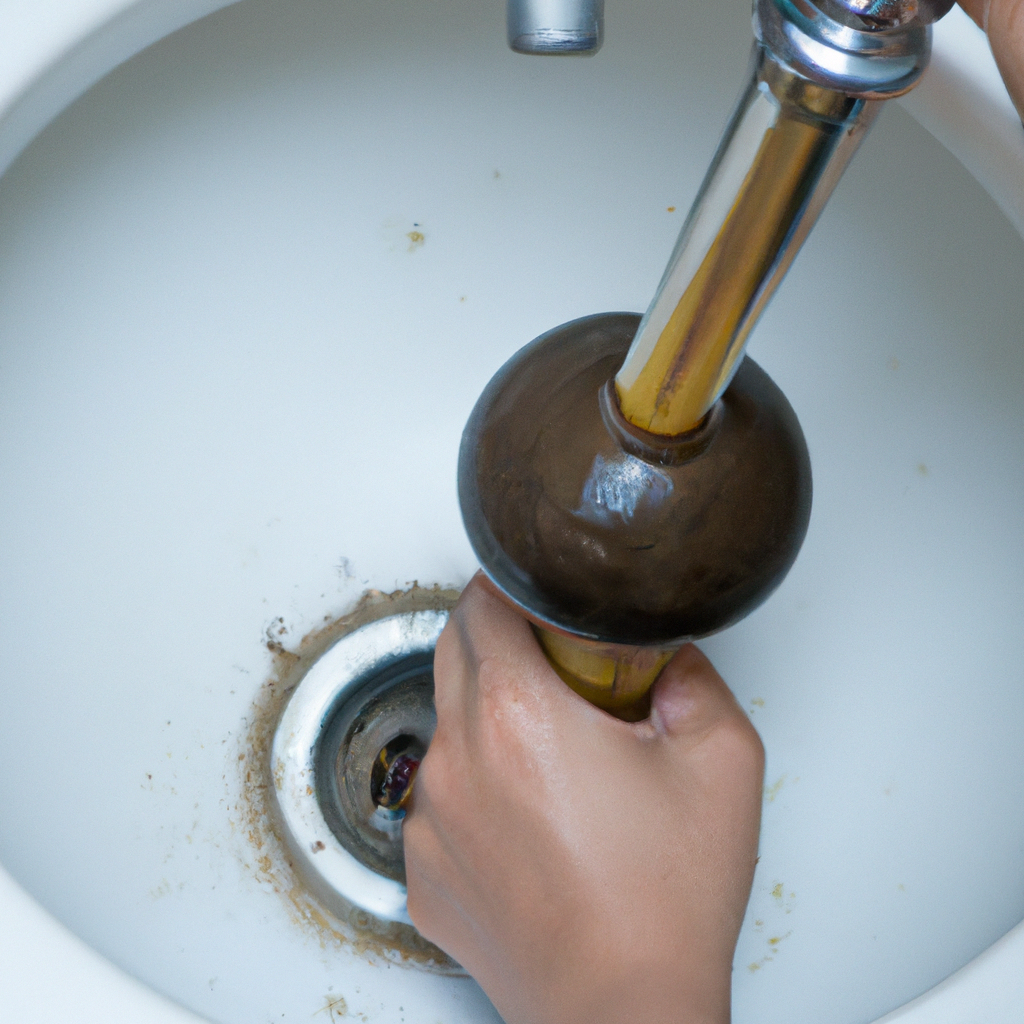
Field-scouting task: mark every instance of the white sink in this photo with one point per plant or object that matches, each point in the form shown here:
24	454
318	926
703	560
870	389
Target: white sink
251	284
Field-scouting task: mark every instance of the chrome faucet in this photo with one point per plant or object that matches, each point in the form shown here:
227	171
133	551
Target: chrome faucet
577	26
634	483
555	26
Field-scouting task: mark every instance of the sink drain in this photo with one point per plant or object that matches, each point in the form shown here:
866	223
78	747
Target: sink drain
351	734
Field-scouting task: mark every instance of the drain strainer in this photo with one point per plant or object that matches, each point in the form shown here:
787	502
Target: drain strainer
366	702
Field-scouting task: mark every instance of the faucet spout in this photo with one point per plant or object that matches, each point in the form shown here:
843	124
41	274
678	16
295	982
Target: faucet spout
553	27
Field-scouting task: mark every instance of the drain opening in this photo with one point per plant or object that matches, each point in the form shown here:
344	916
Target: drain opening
393	773
371	745
344	755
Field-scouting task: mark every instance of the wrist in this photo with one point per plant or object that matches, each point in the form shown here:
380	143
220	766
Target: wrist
653	994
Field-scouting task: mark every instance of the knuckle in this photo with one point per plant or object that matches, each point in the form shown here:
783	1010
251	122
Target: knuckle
737	742
449	642
492	678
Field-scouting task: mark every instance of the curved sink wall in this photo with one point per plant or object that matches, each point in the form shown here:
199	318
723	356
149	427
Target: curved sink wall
231	389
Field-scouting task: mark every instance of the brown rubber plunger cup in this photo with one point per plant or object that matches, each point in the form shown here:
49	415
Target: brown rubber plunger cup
618	544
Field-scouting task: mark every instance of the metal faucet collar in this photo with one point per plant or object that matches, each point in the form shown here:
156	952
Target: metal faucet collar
893	13
840	45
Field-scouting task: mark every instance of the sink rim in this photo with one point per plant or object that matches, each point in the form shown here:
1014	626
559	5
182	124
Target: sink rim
65	46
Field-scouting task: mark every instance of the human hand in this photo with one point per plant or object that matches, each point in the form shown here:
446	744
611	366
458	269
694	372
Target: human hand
1003	20
581	868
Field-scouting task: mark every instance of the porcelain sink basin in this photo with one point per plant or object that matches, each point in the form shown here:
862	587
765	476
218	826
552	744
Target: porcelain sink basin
251	283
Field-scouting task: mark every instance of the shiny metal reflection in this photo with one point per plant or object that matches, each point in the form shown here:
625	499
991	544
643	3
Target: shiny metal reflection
554	27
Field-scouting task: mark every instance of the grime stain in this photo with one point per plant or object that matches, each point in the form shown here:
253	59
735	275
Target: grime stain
670	209
757	702
783	900
922	469
255	813
161	890
772	791
416	239
894	364
335	1008
773	948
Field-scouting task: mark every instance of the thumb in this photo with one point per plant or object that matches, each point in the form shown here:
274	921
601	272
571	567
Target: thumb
701	722
690	698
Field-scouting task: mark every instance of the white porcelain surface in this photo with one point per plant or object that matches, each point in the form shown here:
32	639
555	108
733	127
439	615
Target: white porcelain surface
962	101
48	975
231	389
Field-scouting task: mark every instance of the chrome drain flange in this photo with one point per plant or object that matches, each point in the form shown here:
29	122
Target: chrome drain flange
372	691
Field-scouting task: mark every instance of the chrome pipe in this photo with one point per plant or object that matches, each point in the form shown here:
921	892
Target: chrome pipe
820	72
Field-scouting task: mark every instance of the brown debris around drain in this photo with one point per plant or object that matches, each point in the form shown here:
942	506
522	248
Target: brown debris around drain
256	814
